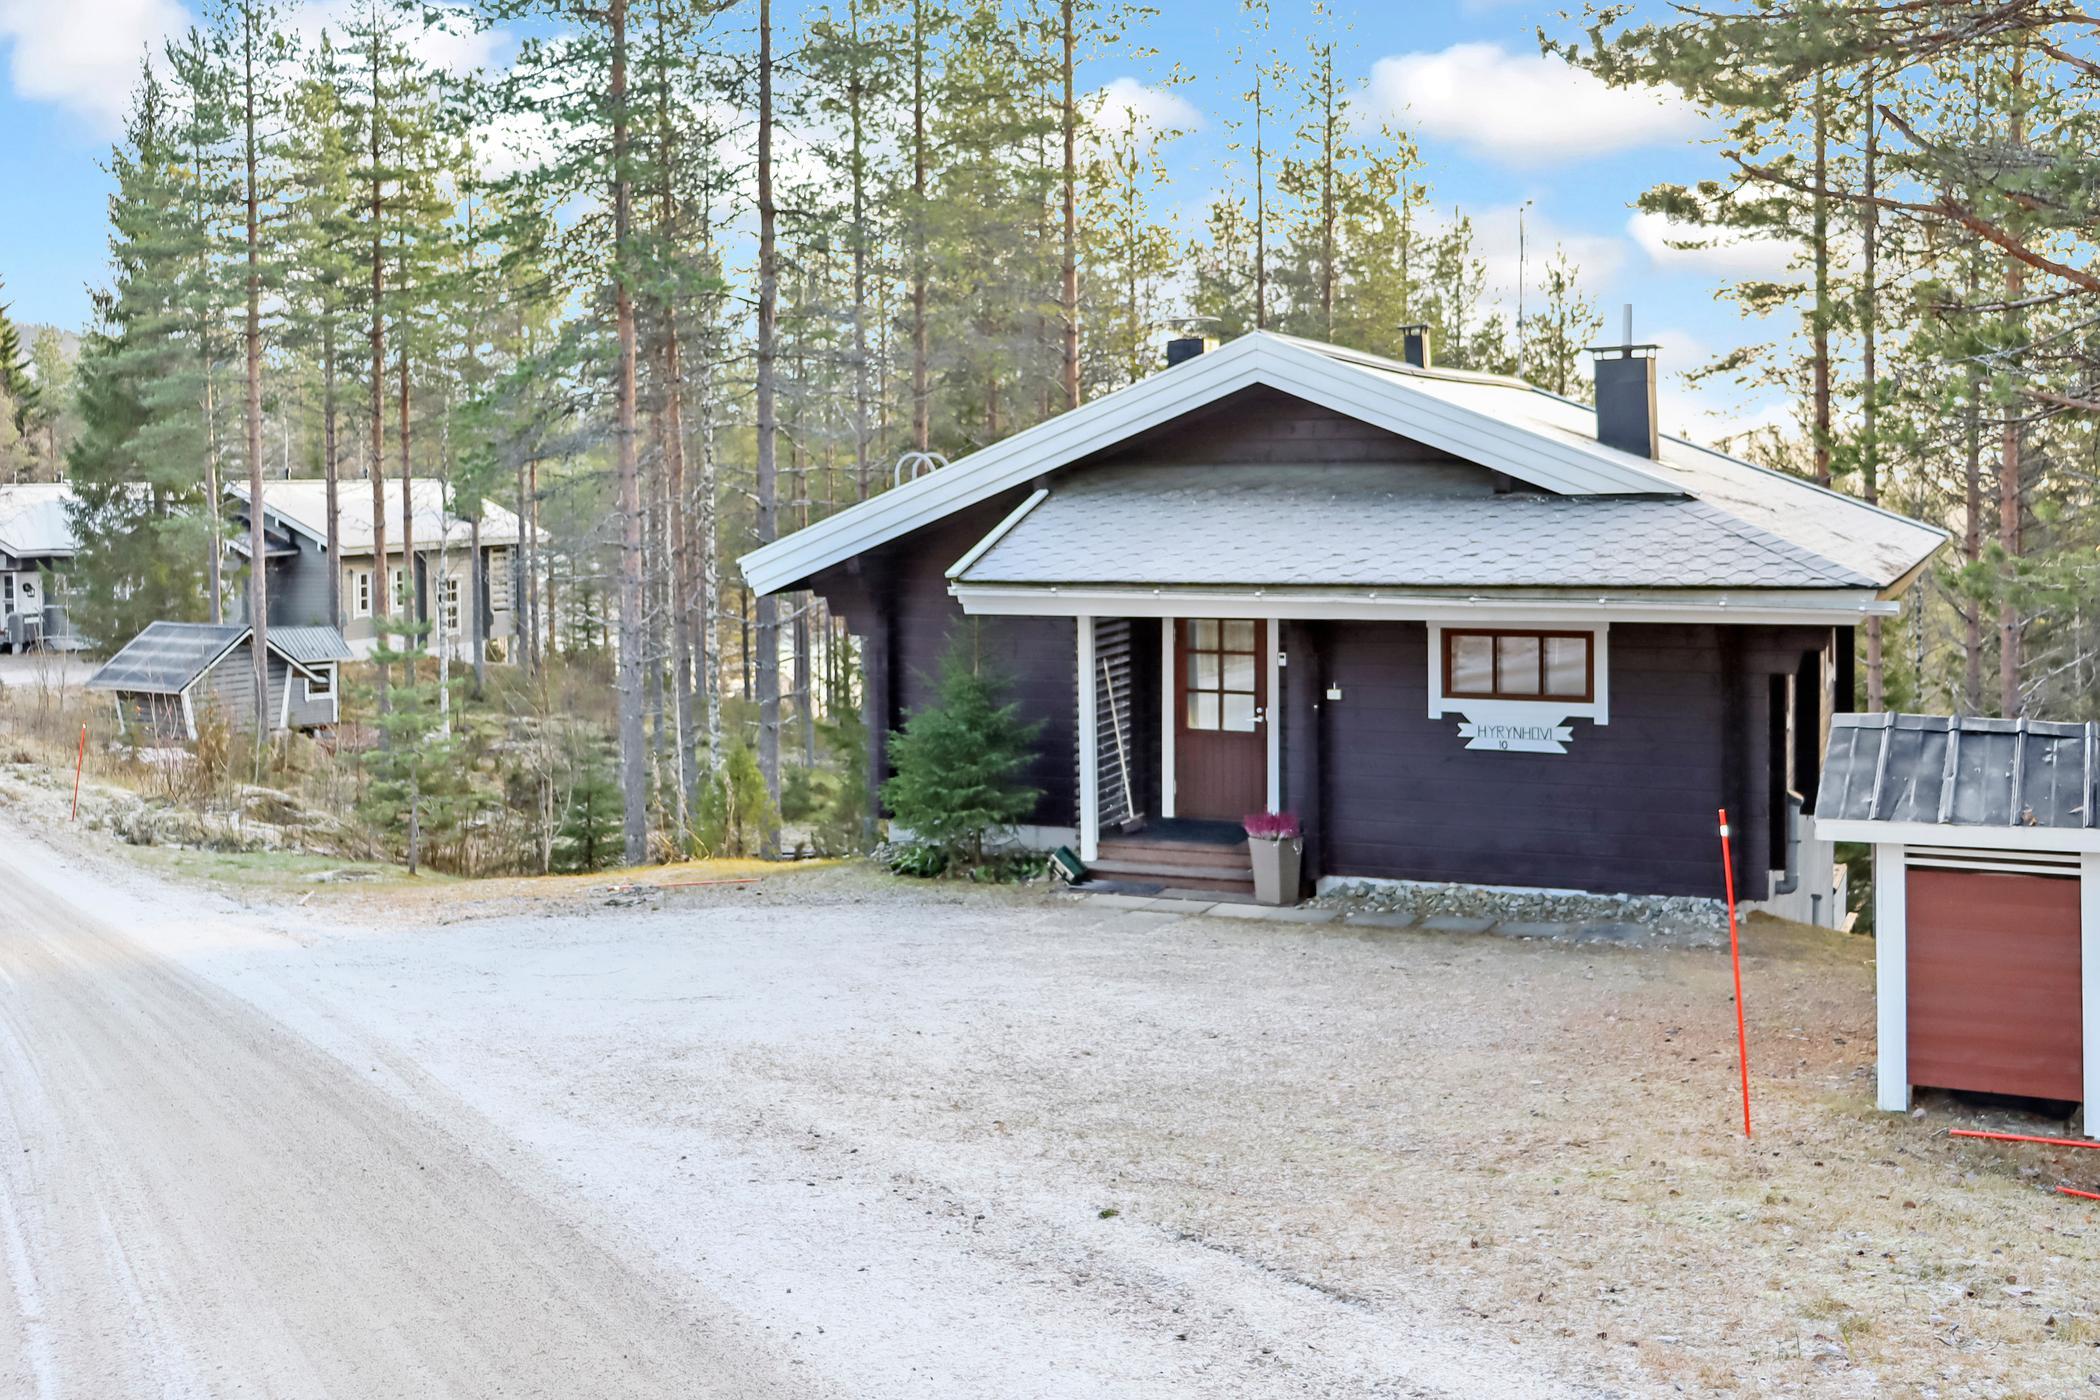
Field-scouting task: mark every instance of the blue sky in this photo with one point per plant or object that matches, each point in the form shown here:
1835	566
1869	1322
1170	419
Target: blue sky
1498	125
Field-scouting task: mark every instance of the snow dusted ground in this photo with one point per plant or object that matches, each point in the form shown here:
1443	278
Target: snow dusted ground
907	1137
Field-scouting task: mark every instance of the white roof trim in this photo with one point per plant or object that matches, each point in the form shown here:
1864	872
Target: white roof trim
1950	835
999	532
1359	390
1820	607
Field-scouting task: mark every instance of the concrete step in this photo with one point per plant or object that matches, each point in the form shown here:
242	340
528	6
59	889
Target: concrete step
1236	878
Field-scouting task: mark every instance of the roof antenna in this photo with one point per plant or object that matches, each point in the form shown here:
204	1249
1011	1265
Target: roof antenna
1629	325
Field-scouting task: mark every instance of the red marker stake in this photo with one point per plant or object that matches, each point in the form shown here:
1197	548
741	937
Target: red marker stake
2081	1195
2020	1137
1735	956
79	763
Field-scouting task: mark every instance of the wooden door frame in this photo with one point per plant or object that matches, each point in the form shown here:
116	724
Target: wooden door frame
1272	709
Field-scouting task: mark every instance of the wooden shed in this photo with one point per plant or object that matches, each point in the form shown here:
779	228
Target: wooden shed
174	673
1986	899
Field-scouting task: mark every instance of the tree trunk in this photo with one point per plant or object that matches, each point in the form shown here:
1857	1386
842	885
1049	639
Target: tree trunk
634	775
768	526
921	418
1819	325
258	559
1069	119
1869	408
382	590
2010	451
330	475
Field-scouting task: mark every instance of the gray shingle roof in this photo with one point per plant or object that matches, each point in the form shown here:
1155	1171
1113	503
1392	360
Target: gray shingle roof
309	645
166	657
1381	526
1959	772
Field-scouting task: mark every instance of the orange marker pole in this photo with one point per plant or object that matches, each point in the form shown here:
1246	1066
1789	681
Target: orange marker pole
2081	1195
2020	1137
1735	956
79	763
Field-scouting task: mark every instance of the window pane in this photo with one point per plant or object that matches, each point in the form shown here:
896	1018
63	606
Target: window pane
1472	665
1203	670
1239	713
1239	672
1203	709
1239	636
1567	665
1203	634
1519	665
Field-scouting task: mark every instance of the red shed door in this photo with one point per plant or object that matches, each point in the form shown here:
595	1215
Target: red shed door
1221	713
1994	994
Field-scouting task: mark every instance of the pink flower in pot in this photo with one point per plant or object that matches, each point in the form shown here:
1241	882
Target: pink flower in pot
1275	847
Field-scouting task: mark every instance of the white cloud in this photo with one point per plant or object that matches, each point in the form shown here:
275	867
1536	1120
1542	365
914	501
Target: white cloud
1721	253
1521	108
84	56
1156	108
454	44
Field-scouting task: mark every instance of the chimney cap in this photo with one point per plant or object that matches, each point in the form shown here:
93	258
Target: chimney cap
1186	347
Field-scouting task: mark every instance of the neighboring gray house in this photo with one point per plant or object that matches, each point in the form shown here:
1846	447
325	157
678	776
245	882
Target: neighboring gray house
1465	629
173	674
295	524
36	550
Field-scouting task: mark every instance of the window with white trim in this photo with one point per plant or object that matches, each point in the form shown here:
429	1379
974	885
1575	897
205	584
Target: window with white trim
499	580
360	593
400	589
449	600
320	685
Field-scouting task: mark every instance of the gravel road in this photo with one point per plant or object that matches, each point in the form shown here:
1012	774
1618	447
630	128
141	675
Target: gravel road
195	1201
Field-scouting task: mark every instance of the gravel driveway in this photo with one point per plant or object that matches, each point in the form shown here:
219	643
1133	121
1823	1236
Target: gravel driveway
922	1142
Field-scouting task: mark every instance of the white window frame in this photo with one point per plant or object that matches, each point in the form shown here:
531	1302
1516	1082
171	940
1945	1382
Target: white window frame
449	608
499	576
360	593
397	580
1596	709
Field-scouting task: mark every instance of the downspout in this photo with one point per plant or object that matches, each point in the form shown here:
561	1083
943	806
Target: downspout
1791	880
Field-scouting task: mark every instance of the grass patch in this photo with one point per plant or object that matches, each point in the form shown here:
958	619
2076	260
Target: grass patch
277	870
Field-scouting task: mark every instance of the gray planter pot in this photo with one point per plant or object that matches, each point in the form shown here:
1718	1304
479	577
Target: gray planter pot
1276	868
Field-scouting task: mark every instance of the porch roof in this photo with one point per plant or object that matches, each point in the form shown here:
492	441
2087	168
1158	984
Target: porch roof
1357	527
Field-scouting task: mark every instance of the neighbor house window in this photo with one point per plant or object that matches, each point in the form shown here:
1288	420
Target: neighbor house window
451	604
400	588
361	593
1223	661
1507	665
319	687
499	580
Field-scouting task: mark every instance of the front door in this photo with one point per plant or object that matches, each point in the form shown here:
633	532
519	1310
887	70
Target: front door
1221	713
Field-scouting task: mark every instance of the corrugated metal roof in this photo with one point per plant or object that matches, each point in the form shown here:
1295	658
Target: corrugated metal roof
33	520
1959	771
309	645
1372	526
166	657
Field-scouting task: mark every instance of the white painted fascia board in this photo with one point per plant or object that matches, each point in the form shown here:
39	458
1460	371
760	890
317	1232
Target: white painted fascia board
1816	608
1011	462
1256	359
999	532
1986	838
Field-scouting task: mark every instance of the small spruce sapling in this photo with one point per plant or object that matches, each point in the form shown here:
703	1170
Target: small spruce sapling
960	762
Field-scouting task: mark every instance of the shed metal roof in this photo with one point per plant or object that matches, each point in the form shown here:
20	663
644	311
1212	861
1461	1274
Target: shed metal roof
1377	526
166	657
309	645
1934	770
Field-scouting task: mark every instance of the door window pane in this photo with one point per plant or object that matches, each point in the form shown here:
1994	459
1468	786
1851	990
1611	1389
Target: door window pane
1472	664
1239	672
1203	670
1203	709
1517	665
1203	634
1239	636
1239	713
1567	665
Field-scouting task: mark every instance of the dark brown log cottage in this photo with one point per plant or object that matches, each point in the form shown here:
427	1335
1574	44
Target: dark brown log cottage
1466	629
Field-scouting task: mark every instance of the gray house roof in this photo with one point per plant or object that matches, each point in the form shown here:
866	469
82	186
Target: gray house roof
33	520
168	657
1312	526
1503	425
1968	772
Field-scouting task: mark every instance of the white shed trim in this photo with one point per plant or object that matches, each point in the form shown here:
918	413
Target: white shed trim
1089	748
1891	981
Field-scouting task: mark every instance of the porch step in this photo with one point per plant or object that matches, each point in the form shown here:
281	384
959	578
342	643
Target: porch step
1181	874
1175	853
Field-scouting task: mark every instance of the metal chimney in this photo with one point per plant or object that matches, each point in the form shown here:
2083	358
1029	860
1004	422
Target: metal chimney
1626	417
1414	345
